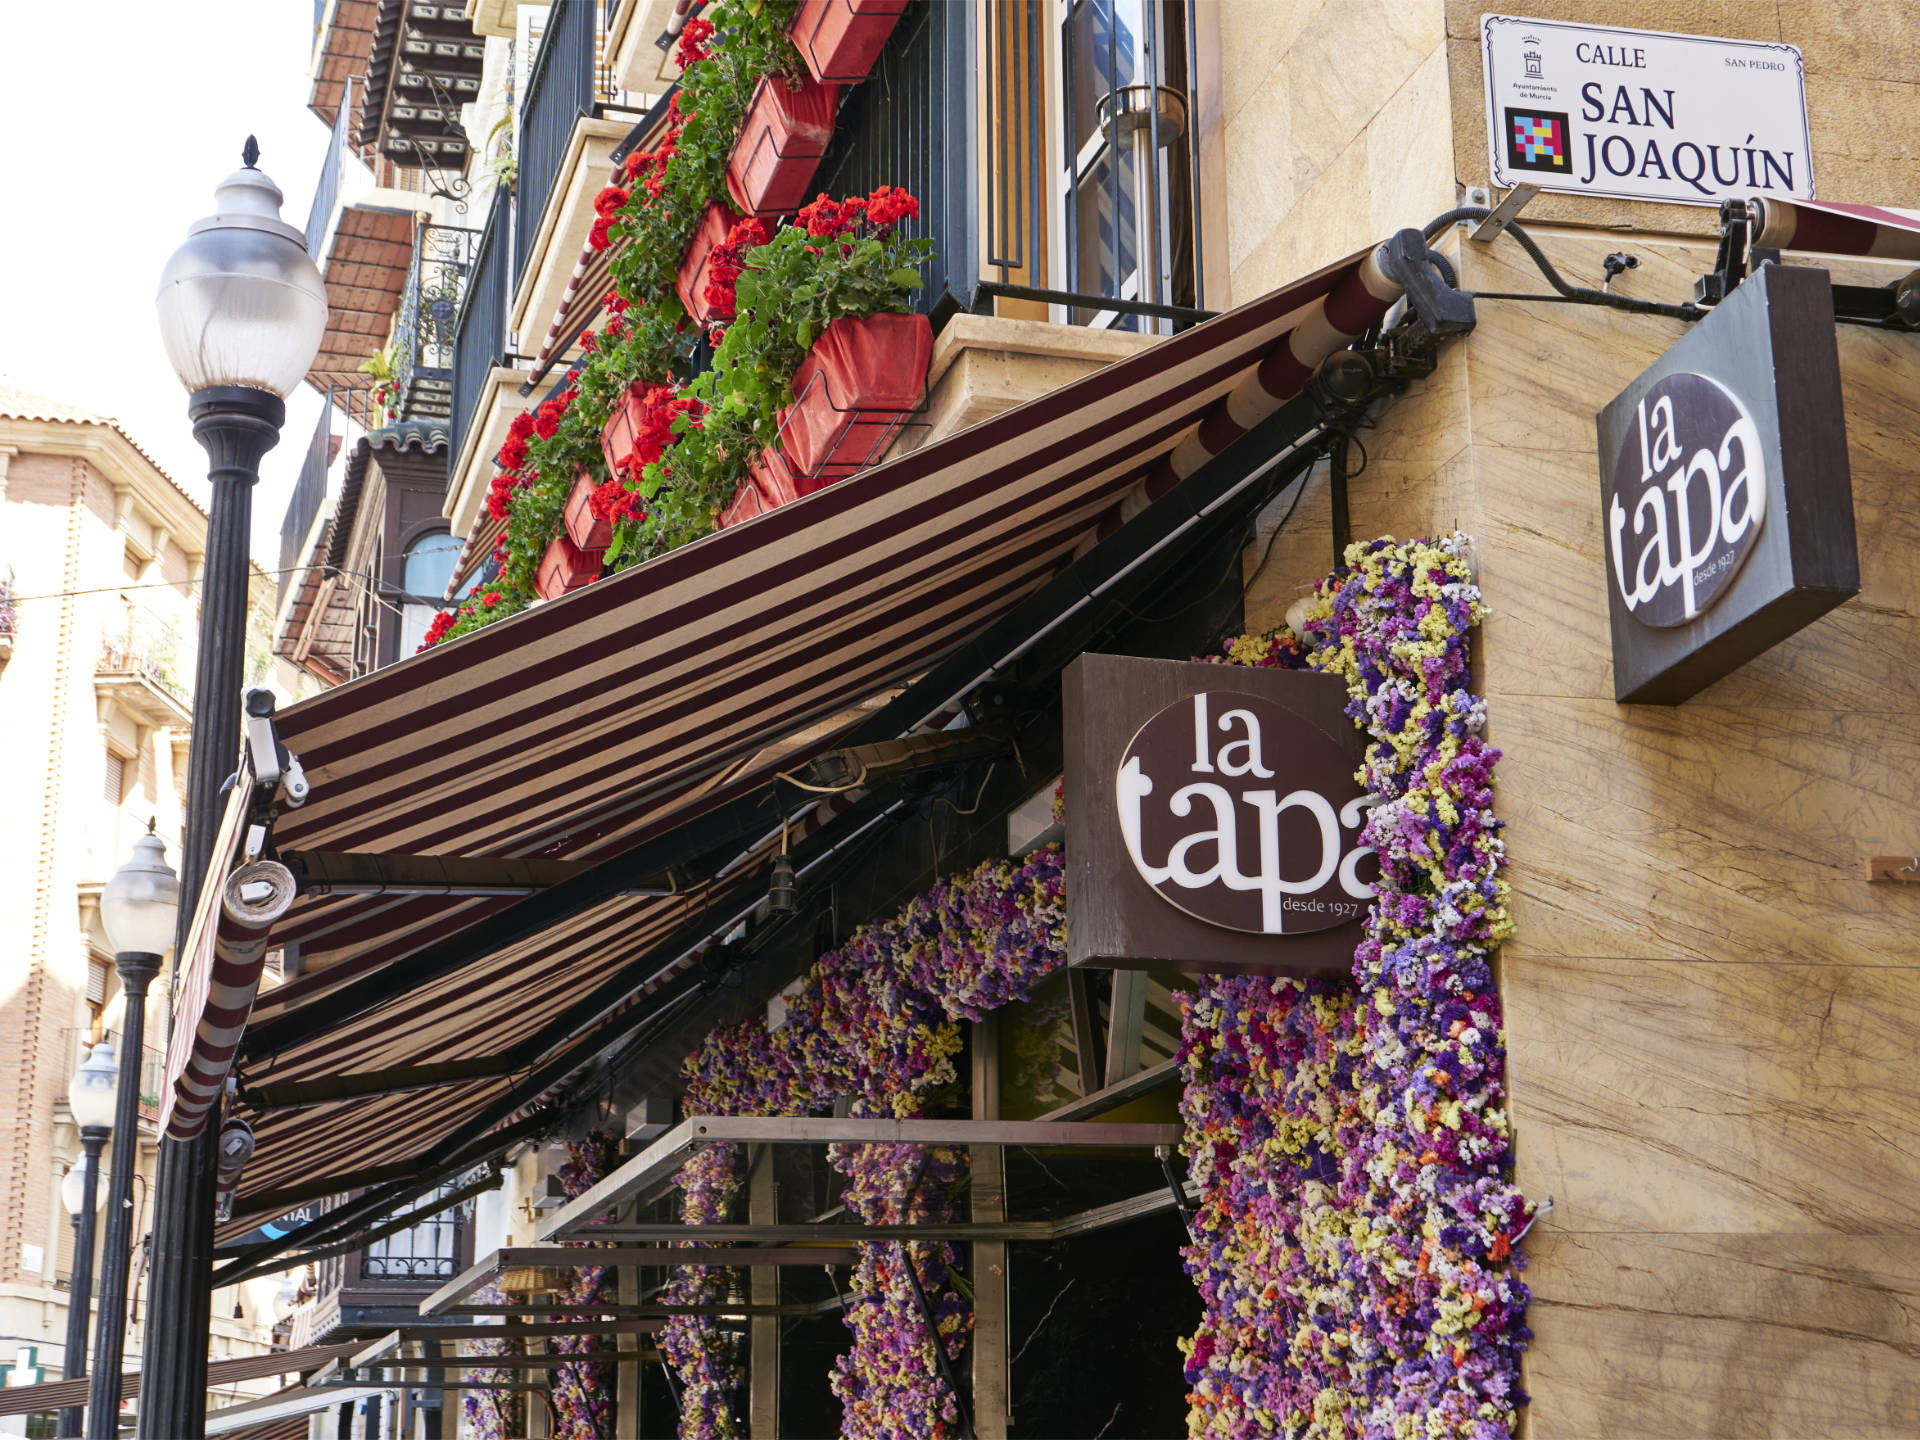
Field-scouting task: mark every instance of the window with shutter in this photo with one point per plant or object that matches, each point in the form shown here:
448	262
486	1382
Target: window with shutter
63	1256
116	786
96	982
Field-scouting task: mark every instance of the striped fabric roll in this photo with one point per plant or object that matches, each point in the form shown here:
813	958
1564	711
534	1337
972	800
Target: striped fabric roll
1831	229
253	897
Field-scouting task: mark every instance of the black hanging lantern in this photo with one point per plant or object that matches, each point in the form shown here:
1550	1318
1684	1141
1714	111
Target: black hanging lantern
780	887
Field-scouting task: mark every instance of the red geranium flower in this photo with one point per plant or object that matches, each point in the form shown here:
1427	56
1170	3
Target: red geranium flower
889	205
693	42
822	217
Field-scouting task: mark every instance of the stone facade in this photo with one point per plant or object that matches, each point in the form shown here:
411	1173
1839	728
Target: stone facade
1709	1012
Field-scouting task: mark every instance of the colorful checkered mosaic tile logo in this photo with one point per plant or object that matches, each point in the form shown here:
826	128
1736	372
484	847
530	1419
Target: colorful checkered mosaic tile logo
1539	140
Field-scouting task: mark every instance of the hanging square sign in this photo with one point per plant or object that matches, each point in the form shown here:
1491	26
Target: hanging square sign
1642	114
1726	501
1213	818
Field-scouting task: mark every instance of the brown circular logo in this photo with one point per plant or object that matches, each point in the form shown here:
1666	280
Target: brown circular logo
1685	501
1244	814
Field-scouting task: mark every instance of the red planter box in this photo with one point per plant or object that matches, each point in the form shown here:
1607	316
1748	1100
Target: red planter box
588	531
746	504
780	145
852	392
840	39
564	567
621	432
715	221
771	482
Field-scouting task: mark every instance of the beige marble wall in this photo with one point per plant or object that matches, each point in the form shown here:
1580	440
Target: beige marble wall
1335	126
1712	1019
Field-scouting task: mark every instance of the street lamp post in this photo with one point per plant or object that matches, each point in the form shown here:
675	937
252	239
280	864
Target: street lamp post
242	312
139	907
91	1097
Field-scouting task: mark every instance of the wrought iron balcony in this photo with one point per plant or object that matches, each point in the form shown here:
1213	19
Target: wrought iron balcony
140	668
480	321
559	91
443	257
346	408
326	189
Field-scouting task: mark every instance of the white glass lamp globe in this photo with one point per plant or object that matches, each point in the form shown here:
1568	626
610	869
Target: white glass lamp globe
95	1087
73	1189
241	302
142	900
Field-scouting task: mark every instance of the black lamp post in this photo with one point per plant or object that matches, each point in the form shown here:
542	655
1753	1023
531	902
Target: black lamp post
91	1097
242	312
139	907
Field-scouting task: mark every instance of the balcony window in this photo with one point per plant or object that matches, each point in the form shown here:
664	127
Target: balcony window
116	777
1126	193
427	1251
427	568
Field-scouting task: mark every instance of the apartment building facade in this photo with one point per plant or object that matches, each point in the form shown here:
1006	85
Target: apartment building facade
100	555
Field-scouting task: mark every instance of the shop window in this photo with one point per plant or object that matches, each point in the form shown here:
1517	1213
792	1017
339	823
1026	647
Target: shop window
424	575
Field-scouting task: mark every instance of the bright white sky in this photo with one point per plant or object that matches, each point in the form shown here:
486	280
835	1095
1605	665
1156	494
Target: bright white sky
117	118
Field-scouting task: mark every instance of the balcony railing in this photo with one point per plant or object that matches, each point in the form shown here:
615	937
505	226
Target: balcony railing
347	409
559	91
910	125
480	325
153	660
326	190
423	335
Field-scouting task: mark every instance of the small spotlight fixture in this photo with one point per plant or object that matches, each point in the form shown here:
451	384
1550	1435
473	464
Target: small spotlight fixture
780	897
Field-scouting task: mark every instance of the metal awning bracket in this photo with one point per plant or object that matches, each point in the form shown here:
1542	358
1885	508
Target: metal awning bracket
1503	214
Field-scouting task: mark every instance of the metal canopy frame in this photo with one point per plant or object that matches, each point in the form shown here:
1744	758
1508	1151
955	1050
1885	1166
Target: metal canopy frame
552	1361
383	1350
665	1156
500	1261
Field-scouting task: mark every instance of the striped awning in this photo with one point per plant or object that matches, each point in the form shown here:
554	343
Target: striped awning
592	723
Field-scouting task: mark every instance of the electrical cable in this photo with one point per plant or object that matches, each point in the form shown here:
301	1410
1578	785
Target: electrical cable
853	784
1236	562
1568	293
1292	505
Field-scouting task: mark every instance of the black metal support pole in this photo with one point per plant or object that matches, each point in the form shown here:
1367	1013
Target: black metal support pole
1165	1158
933	1334
1337	497
137	970
236	426
73	1366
